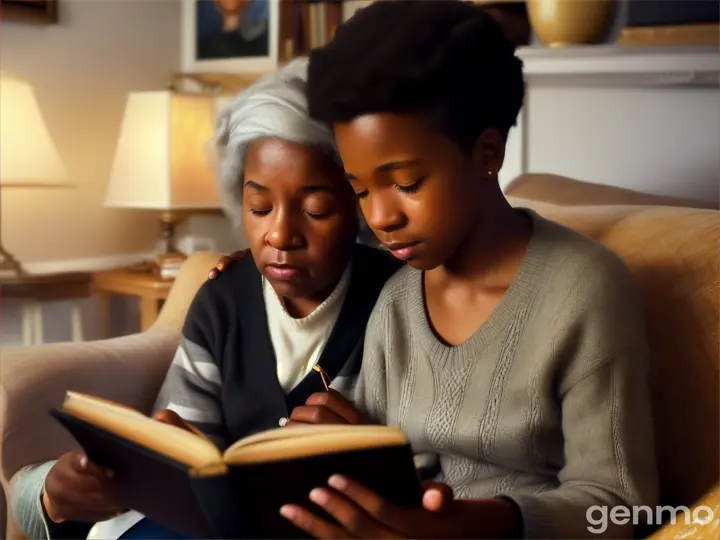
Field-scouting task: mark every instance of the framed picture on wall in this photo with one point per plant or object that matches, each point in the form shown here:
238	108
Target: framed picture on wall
30	11
230	36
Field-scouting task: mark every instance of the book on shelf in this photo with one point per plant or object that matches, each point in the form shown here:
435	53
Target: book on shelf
184	481
305	25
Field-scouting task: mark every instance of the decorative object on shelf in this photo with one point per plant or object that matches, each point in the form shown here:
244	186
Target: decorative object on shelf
513	16
28	157
671	22
163	162
233	36
30	11
561	23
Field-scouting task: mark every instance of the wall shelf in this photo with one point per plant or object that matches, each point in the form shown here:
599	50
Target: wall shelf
616	66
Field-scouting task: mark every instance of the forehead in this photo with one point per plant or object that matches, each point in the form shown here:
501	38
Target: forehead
381	130
284	164
371	140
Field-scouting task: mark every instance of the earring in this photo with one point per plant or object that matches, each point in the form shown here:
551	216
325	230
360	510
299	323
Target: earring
489	173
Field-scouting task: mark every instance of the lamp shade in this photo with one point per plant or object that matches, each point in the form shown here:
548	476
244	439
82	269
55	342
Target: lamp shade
28	156
161	161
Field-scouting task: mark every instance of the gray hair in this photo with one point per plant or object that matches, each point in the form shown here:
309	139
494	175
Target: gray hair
274	106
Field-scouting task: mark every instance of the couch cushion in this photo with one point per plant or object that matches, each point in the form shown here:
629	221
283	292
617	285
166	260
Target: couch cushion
673	255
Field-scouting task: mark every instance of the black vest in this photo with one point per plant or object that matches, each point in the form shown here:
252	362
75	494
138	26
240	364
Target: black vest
252	398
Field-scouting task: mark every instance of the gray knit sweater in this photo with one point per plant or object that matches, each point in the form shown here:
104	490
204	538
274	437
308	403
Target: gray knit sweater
547	403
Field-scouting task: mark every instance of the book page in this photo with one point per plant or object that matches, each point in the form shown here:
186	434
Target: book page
286	433
302	441
171	441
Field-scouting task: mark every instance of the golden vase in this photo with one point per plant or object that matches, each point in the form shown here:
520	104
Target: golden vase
562	23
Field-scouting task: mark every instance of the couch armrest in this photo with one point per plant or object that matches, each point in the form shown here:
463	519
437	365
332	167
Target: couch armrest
703	522
128	369
193	274
562	191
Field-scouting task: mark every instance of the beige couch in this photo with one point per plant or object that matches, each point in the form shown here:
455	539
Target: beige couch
672	252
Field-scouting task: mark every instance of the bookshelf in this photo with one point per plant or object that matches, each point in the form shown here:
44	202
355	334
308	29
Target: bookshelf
306	24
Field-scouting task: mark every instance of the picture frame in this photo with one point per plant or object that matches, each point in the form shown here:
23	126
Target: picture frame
246	48
671	23
30	11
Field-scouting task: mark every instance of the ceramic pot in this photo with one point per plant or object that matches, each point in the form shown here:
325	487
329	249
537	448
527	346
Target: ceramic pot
561	23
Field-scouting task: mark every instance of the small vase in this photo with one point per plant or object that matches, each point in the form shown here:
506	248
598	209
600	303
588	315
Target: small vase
562	23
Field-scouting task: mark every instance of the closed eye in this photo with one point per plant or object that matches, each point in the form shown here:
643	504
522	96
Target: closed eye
260	212
362	194
411	188
318	215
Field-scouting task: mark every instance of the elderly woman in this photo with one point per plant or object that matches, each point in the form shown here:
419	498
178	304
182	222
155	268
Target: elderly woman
303	299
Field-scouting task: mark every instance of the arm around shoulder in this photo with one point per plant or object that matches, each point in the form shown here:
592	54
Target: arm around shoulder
604	397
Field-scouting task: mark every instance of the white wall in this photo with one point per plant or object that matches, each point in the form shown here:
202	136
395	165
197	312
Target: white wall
656	140
661	141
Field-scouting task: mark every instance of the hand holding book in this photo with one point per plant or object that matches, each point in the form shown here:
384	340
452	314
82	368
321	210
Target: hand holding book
77	489
358	512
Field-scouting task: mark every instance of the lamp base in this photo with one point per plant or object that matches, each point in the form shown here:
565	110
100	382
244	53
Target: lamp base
10	267
168	262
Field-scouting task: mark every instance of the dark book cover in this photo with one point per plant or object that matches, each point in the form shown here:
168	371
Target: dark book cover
148	482
263	488
245	502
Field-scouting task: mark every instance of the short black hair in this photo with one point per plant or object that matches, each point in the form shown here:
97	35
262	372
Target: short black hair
447	59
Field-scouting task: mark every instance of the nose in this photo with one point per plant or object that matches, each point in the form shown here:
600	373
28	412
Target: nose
284	232
384	214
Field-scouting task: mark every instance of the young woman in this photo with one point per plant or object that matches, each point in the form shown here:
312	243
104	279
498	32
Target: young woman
510	347
253	335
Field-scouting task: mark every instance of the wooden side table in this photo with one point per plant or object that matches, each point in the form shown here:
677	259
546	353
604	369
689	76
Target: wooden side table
147	286
33	290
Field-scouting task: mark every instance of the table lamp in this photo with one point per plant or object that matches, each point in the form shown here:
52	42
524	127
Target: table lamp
162	163
28	157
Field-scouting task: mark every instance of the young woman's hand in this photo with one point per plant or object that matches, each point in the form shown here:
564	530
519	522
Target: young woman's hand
225	262
362	513
329	407
78	490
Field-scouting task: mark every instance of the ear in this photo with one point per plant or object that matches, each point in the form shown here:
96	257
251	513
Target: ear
488	153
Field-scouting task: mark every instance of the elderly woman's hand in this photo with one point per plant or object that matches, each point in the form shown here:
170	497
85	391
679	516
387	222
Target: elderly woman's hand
225	262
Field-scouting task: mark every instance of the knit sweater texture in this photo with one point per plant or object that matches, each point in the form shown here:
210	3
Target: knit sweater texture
546	404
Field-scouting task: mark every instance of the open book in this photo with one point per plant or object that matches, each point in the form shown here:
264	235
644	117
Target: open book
184	481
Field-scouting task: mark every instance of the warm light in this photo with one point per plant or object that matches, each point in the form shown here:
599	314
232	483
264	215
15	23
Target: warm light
161	161
28	156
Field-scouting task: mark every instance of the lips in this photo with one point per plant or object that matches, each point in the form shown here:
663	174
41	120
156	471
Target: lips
282	272
403	250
